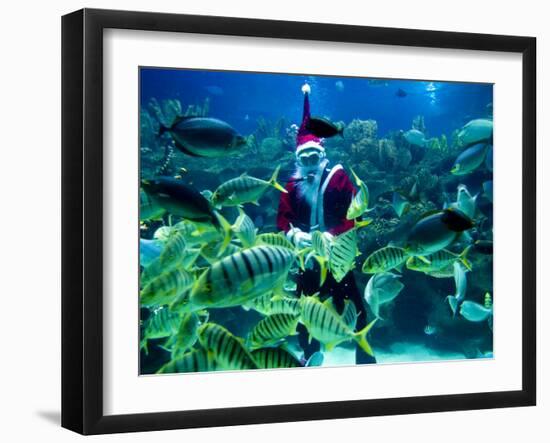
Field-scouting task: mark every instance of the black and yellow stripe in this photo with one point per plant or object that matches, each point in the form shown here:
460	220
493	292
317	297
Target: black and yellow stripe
198	360
228	350
242	276
274	239
323	323
272	329
272	358
343	252
166	287
174	250
384	260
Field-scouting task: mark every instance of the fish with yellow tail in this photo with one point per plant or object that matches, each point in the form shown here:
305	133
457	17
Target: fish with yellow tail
244	189
244	229
384	260
272	330
161	323
174	250
328	327
274	239
360	201
241	277
186	336
198	360
166	287
342	255
438	261
228	350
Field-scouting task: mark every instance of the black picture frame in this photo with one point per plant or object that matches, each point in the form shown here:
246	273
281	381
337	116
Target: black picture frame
82	220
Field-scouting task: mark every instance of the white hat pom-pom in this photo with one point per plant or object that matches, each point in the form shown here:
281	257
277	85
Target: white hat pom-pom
306	89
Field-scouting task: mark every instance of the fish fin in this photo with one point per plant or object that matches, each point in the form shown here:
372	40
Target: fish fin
361	338
144	345
273	181
462	257
453	303
424	259
226	227
324	269
358	181
316	359
363	223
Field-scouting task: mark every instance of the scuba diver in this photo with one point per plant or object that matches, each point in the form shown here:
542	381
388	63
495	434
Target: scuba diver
318	199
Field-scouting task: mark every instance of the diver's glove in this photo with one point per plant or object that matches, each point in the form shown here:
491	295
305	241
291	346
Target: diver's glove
299	238
328	236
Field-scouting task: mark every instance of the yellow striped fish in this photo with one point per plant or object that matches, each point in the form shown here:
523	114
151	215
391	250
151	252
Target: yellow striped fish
228	350
274	239
360	201
166	287
343	252
384	260
273	358
197	360
211	251
242	276
186	335
325	325
269	304
438	260
244	229
244	189
174	250
272	329
161	323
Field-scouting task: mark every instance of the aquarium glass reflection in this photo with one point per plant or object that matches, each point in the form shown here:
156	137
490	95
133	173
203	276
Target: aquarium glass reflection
294	221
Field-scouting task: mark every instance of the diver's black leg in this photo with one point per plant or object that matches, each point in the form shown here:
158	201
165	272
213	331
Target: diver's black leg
307	284
303	339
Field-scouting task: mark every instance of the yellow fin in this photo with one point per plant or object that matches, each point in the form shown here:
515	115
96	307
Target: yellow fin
361	338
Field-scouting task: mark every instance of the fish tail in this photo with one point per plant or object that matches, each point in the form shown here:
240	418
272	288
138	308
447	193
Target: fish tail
143	345
363	223
361	338
462	257
324	269
300	255
358	181
453	303
226	228
273	181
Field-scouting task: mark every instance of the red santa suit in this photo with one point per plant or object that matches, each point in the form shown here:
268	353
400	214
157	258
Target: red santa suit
321	207
327	213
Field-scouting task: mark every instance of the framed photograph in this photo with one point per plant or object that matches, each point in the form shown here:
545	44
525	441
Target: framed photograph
269	221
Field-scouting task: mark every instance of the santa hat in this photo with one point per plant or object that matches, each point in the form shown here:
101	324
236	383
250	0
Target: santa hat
305	139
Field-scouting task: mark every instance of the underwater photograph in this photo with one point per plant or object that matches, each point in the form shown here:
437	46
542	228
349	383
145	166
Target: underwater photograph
294	220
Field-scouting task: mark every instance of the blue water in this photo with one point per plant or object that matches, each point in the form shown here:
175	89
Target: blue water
236	95
418	324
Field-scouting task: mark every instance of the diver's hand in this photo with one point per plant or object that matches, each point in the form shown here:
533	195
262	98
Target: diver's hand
299	238
328	236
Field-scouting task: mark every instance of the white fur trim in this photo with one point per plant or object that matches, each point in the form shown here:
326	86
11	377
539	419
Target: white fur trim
312	144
